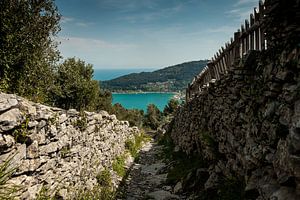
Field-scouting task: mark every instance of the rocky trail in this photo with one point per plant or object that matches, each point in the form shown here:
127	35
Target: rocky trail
147	176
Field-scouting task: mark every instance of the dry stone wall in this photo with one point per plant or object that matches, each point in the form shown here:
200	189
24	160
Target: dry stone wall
61	150
247	125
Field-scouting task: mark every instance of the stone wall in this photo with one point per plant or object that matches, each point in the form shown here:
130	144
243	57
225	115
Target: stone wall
61	150
247	125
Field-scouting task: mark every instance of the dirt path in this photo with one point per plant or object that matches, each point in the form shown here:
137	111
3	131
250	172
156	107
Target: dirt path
147	177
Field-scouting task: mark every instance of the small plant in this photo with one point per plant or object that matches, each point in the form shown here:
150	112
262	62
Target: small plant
64	152
97	128
7	191
20	134
133	145
54	120
104	178
130	146
211	143
98	192
43	194
118	165
81	122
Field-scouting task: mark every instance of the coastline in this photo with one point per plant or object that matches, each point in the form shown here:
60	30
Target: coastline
141	92
176	95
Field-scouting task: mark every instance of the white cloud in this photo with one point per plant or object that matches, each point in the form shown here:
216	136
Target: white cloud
77	22
154	14
91	44
66	19
221	29
242	9
245	2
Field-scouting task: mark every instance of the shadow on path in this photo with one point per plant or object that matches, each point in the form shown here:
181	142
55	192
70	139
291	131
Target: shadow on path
147	177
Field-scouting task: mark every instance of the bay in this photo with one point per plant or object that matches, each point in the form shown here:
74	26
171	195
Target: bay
142	100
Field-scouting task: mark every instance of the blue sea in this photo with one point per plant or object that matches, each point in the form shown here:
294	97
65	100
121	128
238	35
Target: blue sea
141	100
133	101
108	74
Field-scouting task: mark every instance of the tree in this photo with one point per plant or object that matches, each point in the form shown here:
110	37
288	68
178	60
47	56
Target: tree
171	107
133	116
75	87
28	53
153	117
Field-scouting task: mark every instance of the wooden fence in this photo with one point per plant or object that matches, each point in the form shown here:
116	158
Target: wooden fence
251	36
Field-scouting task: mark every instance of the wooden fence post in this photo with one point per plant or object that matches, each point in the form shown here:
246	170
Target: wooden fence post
237	45
252	32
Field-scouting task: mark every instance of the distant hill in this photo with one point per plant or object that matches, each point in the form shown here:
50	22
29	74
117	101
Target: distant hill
171	78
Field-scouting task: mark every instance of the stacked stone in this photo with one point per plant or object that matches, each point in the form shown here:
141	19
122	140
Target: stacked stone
247	125
61	150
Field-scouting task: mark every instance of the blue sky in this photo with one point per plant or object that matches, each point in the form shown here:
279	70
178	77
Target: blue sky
119	34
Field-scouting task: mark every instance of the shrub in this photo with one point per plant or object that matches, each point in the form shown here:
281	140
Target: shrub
98	192
118	165
20	133
134	145
81	122
104	178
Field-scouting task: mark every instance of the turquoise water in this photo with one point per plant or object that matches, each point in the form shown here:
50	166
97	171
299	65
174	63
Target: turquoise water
108	74
141	100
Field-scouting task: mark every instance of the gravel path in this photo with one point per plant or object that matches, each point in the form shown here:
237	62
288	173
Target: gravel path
147	177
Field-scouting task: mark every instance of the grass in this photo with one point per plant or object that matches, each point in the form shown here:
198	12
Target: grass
183	167
7	191
98	192
118	165
104	178
44	194
133	145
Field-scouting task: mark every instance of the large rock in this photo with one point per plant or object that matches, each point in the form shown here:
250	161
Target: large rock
7	101
10	119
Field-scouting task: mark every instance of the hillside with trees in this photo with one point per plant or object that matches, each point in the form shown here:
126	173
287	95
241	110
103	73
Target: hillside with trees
171	78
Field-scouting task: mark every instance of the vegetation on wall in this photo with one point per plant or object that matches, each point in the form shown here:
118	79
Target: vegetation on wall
7	190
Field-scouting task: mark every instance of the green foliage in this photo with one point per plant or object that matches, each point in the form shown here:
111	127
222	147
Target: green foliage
81	122
153	117
118	165
102	191
64	152
75	87
171	78
104	178
7	191
184	165
133	146
21	132
27	52
171	107
168	144
210	143
98	192
133	116
44	194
